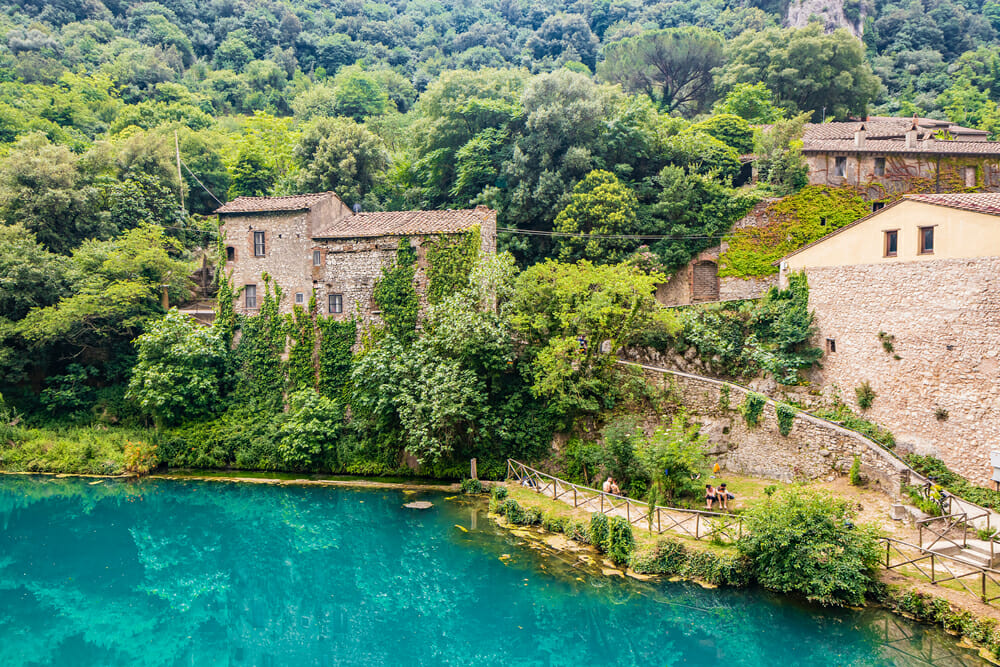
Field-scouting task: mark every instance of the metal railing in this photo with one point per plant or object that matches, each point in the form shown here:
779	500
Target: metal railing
955	568
699	524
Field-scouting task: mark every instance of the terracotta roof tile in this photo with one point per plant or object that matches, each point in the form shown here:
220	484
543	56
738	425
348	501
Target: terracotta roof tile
883	127
395	223
980	202
891	146
272	204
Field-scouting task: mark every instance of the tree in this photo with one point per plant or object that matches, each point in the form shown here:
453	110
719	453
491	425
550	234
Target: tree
824	74
780	164
253	175
30	276
785	326
233	53
313	426
805	542
565	37
358	94
178	373
573	319
674	459
601	205
752	102
730	129
672	66
341	155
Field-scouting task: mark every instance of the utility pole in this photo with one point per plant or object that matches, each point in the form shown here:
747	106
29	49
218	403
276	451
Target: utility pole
180	177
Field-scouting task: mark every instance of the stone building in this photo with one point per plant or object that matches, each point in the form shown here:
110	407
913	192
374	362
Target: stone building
907	299
315	243
884	156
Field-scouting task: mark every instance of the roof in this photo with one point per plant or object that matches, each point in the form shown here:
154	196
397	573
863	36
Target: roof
885	127
397	223
978	202
273	204
892	146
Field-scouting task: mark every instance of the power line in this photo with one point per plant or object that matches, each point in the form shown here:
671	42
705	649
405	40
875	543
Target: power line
198	181
632	237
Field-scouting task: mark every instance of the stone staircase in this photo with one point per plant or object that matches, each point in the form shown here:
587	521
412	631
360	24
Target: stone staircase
976	552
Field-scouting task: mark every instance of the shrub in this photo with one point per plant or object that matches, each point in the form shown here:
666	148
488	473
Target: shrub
554	524
140	457
752	408
665	557
578	530
786	417
934	468
804	542
865	395
856	471
621	541
498	494
512	511
472	486
599	529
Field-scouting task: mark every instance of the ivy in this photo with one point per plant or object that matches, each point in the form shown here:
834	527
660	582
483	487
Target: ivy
449	263
225	311
396	295
302	332
336	340
786	416
260	373
752	408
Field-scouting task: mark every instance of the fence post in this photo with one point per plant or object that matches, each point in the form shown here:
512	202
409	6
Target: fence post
574	495
602	503
983	574
887	554
628	513
933	578
554	488
697	525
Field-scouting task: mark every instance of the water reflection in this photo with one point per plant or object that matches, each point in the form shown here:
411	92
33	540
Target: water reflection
193	573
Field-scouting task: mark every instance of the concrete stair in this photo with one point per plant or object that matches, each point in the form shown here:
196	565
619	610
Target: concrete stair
977	552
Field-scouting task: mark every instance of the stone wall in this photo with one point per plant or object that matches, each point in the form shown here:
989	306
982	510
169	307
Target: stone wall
937	390
813	449
914	172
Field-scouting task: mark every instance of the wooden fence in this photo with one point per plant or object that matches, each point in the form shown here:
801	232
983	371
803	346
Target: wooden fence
699	524
939	568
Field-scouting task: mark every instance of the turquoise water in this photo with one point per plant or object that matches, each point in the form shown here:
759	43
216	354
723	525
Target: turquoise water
209	573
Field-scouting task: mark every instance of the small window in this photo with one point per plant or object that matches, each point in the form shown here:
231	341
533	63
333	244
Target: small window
880	166
230	253
970	177
336	303
840	166
822	222
926	235
877	206
251	295
891	242
300	297
317	258
831	345
258	244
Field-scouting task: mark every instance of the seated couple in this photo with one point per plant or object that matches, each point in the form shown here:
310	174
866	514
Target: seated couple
611	486
721	494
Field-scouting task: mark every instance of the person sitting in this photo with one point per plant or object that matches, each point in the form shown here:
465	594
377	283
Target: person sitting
606	487
710	496
614	488
724	496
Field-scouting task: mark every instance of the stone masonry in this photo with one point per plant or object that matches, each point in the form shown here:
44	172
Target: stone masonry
937	389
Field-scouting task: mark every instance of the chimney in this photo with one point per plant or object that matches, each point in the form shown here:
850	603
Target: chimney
911	135
859	136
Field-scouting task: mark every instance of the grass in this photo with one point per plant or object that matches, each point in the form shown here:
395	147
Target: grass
94	450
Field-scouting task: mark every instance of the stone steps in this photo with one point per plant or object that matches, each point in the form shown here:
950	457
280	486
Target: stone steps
977	552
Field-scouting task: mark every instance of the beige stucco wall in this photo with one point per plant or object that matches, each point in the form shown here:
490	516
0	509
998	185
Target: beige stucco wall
957	234
944	319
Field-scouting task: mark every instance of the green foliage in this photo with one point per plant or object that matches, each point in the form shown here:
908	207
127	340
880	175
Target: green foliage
855	475
472	487
601	205
341	155
843	415
730	129
786	417
302	333
753	103
752	408
450	262
600	530
140	457
781	169
865	395
673	459
621	541
178	375
396	294
73	450
313	425
337	337
260	374
669	557
935	469
926	608
804	542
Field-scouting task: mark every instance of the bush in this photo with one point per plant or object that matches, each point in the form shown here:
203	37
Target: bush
140	457
856	472
599	530
665	557
498	494
804	542
752	408
512	511
786	417
472	486
865	395
621	541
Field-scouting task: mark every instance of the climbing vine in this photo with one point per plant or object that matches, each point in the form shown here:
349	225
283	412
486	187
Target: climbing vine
302	332
260	373
336	339
225	310
786	417
396	295
449	262
752	408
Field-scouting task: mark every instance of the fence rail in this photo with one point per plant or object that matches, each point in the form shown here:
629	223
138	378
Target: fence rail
930	565
699	524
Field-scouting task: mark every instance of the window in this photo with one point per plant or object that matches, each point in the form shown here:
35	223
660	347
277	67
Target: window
840	167
831	345
926	235
970	177
822	222
880	166
300	297
317	258
891	242
230	253
877	206
251	294
258	244
336	303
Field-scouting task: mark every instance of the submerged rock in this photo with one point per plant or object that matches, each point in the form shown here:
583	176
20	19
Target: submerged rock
419	505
